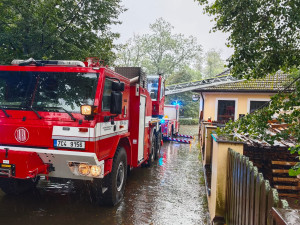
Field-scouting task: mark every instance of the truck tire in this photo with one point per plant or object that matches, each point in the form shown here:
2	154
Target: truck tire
158	138
152	152
116	180
172	132
11	186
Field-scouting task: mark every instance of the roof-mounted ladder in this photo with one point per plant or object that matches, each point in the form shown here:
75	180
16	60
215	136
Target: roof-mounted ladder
190	86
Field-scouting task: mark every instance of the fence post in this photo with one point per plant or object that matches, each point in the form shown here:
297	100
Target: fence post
273	201
244	199
248	189
233	189
265	188
240	185
237	189
253	177
259	181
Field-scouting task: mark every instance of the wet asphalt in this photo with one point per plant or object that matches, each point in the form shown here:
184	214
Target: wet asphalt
169	192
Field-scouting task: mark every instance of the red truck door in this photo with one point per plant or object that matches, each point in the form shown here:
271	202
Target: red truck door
142	128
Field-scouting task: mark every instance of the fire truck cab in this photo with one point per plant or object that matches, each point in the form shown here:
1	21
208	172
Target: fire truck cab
156	88
73	120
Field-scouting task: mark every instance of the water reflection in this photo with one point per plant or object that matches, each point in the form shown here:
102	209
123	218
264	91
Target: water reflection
167	193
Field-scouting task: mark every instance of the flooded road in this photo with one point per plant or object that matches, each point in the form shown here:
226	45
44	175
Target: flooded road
169	192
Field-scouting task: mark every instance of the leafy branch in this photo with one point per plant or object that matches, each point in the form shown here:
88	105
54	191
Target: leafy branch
285	109
265	36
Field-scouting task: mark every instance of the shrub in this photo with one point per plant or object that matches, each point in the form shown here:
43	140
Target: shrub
188	121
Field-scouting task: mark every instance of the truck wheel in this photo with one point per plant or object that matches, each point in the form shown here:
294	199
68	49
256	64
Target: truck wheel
116	180
152	152
11	186
158	145
172	132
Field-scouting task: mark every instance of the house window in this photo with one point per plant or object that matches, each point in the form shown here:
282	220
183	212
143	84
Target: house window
226	110
254	105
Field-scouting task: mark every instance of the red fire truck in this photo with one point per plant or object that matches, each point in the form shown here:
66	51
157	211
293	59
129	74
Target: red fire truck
170	122
74	120
168	114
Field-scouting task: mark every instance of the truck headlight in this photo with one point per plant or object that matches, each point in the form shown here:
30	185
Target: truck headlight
84	169
86	110
95	171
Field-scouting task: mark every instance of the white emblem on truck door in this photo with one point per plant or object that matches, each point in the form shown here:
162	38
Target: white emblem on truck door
21	134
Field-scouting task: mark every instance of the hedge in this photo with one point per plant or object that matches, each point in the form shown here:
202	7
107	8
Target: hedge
188	121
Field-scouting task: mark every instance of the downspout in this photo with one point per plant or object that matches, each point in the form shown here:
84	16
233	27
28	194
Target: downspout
200	115
202	107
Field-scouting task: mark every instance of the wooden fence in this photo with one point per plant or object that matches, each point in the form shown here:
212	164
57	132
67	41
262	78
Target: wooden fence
249	197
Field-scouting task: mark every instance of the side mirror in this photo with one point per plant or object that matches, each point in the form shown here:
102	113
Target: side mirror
118	86
116	102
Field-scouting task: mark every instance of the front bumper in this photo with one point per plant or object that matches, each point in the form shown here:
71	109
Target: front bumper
24	161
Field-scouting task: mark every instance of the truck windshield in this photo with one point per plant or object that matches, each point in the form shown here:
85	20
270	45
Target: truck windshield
152	84
47	91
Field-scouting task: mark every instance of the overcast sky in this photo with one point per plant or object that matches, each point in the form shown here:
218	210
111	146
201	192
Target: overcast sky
185	15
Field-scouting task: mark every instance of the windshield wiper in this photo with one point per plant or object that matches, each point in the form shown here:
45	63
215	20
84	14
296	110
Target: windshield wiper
70	114
5	112
38	115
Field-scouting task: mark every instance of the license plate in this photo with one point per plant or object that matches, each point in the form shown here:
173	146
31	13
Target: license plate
69	144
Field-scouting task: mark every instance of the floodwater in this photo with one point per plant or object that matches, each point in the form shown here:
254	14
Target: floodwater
169	192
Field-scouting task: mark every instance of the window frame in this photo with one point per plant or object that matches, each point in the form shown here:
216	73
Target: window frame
35	96
105	79
157	91
226	99
256	100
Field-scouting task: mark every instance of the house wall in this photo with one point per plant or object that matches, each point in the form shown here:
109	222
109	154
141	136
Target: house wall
217	199
242	102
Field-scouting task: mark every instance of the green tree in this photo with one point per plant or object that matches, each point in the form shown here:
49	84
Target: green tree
265	36
198	64
160	51
213	63
57	29
131	53
188	107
